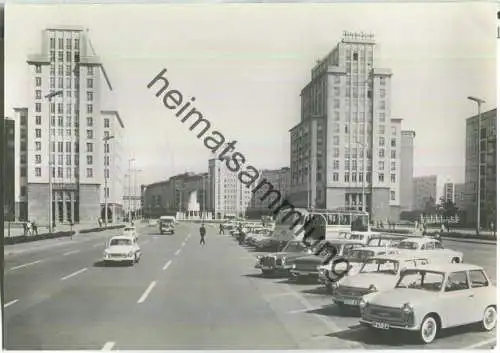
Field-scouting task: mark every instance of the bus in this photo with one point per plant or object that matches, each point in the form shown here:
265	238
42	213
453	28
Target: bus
319	224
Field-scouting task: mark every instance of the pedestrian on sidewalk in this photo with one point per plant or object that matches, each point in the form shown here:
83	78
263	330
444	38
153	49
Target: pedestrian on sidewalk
203	231
28	228
35	228
221	229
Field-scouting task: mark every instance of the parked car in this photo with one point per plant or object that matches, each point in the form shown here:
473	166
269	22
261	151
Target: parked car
354	260
384	240
280	262
430	298
122	249
310	265
430	248
377	274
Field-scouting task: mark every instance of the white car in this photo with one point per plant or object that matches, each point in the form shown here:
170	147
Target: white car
377	274
429	298
431	249
122	249
355	259
129	232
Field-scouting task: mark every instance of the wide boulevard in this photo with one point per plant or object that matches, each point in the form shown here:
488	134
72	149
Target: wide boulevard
58	295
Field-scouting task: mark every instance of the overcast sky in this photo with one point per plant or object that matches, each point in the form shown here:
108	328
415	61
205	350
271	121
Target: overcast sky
246	66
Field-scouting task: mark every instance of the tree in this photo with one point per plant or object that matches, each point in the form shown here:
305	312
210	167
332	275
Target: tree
430	206
447	208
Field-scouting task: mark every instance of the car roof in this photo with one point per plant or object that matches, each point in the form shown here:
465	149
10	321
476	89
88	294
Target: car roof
343	241
448	267
122	237
386	236
375	248
399	257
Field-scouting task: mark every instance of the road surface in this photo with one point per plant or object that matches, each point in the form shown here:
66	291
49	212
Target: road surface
181	296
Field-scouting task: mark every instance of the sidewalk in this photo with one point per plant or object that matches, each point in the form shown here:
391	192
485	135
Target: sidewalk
17	230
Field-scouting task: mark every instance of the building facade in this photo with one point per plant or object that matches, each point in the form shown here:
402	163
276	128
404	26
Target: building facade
114	171
424	191
184	196
346	143
459	196
8	182
448	192
226	194
64	128
260	204
486	164
406	177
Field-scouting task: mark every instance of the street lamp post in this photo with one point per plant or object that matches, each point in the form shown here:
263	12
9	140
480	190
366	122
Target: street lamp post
106	168
478	184
135	190
129	189
49	98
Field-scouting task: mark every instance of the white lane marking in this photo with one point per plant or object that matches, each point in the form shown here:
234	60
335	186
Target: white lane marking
25	265
71	252
482	343
167	264
6	305
97	245
146	292
74	274
178	252
108	346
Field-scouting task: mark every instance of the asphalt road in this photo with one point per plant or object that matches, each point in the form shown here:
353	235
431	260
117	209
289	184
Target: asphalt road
180	296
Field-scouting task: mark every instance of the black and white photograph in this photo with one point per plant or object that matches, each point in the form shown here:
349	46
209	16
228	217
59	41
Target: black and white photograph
229	175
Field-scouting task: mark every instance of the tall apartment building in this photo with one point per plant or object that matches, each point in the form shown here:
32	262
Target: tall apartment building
346	140
424	191
448	192
488	168
406	177
226	194
8	181
66	126
260	204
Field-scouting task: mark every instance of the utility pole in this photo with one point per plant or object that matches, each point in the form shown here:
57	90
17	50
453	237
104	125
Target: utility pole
49	98
106	171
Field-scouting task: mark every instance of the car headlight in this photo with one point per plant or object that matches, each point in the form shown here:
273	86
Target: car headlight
293	266
407	308
372	288
130	254
259	257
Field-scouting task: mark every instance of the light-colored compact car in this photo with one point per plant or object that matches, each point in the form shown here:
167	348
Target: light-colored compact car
122	249
129	231
429	298
431	249
384	240
354	260
377	274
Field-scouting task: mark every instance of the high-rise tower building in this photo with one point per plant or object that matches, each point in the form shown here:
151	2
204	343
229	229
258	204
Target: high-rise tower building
347	142
64	124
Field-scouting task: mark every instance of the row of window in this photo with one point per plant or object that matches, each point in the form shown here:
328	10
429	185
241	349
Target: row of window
60	43
69	174
60	56
60	70
60	81
358	177
60	121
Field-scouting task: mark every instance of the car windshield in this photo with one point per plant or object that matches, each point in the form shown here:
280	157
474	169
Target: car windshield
408	245
424	280
357	237
382	242
380	266
115	242
359	255
295	246
129	229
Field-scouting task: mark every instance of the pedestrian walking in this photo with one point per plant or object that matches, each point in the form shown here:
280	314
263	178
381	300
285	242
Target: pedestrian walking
203	231
34	227
221	229
25	229
28	228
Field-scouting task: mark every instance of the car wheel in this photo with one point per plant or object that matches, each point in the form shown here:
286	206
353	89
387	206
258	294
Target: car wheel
489	318
428	329
455	260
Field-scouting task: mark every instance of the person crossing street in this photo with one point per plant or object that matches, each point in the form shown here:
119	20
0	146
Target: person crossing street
203	231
